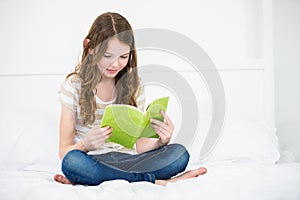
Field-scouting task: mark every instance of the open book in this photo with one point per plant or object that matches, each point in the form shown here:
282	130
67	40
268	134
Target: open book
130	123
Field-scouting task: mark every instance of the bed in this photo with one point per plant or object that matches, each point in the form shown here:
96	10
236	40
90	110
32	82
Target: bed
246	162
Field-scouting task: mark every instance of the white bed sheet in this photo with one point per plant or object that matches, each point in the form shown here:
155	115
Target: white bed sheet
28	154
224	180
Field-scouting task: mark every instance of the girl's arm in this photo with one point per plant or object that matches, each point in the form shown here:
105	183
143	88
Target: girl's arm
67	132
94	139
147	144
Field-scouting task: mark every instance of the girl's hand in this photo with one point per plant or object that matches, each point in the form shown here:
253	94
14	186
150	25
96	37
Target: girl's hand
96	138
163	129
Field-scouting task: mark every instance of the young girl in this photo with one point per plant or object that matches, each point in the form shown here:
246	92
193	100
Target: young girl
108	74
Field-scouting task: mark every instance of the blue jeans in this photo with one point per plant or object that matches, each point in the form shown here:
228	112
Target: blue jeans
160	163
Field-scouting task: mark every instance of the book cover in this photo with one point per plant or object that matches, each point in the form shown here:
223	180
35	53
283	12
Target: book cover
130	123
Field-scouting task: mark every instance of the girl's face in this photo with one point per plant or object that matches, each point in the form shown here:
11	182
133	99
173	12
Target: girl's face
114	59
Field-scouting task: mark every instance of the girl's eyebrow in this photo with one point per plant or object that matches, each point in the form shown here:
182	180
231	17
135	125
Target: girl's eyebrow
113	54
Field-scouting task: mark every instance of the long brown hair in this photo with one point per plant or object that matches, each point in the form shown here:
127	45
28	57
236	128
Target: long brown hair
106	26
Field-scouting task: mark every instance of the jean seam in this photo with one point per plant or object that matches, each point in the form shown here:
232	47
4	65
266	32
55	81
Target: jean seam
130	159
113	161
70	176
147	158
170	165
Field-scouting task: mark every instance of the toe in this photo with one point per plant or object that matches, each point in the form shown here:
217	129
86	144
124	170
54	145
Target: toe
202	170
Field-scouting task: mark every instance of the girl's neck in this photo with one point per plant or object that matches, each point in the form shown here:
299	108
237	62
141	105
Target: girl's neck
105	89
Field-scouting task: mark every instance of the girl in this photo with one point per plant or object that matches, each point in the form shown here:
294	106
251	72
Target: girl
108	74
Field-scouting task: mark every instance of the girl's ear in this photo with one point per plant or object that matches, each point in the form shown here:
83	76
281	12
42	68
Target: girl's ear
85	43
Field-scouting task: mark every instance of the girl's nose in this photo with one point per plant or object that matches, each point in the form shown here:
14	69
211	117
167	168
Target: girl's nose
115	63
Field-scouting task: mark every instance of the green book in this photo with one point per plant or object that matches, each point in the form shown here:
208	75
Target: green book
130	123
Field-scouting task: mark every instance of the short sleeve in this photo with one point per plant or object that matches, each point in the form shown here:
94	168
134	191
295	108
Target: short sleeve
68	94
141	98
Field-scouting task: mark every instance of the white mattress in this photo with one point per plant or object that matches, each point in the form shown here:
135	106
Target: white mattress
224	180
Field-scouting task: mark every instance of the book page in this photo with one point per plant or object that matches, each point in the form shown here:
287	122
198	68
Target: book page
124	118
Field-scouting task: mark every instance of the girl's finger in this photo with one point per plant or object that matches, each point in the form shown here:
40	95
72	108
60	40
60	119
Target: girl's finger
161	133
157	122
107	132
166	118
161	126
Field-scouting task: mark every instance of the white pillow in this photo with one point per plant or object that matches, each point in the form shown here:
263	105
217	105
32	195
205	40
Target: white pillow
29	140
246	140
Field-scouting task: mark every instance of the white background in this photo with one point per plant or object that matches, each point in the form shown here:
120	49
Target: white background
253	38
287	71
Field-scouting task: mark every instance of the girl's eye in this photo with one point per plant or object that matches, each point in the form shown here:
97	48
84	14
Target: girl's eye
107	56
124	57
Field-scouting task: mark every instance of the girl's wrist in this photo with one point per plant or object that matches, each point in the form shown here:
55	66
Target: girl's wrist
81	146
160	143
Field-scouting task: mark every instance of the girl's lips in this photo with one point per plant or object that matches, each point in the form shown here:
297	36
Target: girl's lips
112	71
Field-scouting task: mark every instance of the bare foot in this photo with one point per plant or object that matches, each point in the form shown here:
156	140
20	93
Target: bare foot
61	179
189	174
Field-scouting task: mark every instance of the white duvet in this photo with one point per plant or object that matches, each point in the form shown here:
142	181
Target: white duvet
224	180
29	160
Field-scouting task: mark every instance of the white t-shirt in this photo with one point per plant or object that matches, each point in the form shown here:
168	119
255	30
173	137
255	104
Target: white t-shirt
69	97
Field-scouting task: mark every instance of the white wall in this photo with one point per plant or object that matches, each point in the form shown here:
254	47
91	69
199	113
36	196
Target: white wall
46	36
287	72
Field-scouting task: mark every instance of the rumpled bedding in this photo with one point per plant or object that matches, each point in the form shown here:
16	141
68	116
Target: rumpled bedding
224	180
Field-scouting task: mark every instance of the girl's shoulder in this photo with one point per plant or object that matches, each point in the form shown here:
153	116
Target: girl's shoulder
73	81
140	89
71	84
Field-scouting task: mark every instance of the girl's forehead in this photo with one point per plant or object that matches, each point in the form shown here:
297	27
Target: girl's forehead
116	47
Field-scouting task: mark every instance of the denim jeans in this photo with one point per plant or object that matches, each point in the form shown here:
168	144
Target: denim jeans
160	163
